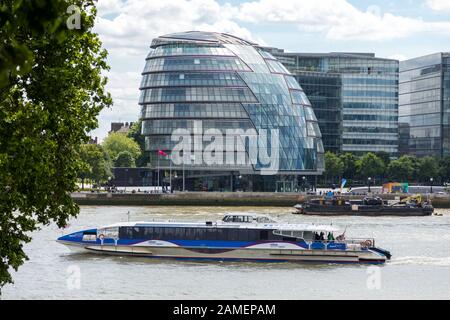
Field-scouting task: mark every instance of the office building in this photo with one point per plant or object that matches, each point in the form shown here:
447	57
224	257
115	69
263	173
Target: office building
424	105
357	88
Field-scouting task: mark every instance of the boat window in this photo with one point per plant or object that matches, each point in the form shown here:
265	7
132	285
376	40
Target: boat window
125	233
109	233
308	235
227	219
297	234
168	233
243	234
233	235
158	233
211	234
179	234
190	233
221	234
148	232
253	235
200	234
289	233
241	219
264	234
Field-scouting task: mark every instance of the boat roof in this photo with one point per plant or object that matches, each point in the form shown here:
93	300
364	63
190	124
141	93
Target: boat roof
271	226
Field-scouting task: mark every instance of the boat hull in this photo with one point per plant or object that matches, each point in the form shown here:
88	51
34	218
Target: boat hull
235	254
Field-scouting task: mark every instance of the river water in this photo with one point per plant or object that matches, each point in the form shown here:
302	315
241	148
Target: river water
419	269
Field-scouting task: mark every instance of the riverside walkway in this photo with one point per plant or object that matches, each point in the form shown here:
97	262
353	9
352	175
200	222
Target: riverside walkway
222	198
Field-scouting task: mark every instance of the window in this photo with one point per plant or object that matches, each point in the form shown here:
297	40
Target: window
221	234
169	233
200	234
243	234
125	233
308	235
196	61
148	233
179	234
190	233
264	235
109	233
233	235
239	218
158	233
211	234
253	235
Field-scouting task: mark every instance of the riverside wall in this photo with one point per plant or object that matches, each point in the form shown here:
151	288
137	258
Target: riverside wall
220	199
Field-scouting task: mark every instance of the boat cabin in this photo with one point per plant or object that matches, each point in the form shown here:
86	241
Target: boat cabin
247	218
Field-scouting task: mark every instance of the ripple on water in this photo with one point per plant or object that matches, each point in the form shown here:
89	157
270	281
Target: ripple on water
422	260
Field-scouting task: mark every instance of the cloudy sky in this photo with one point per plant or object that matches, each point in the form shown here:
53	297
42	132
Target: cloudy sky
399	29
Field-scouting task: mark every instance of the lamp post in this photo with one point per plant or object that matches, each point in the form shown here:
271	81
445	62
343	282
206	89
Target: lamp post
158	172
431	183
126	179
183	177
170	172
369	179
304	179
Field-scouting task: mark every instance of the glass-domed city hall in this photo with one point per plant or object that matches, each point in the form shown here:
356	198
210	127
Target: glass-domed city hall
202	84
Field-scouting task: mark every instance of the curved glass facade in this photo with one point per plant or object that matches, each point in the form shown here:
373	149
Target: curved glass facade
217	81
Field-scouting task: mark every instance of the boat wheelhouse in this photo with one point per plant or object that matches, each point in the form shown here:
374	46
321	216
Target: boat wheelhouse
236	237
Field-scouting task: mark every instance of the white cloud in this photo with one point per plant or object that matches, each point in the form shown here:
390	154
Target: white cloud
139	21
439	5
336	19
105	7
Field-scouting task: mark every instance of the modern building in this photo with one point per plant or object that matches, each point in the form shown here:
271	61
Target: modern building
324	91
354	96
424	105
195	82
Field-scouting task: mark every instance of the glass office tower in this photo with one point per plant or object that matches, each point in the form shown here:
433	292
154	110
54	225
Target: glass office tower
368	98
198	81
424	105
324	92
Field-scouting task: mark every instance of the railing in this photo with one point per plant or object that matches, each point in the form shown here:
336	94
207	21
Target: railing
357	242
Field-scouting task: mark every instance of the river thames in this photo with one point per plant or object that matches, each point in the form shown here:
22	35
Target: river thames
419	269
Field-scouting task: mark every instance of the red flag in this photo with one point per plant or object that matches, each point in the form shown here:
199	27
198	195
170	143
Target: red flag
162	153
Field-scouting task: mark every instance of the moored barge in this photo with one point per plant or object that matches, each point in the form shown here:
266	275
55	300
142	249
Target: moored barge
368	206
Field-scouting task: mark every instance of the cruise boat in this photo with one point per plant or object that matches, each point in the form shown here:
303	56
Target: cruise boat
237	237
